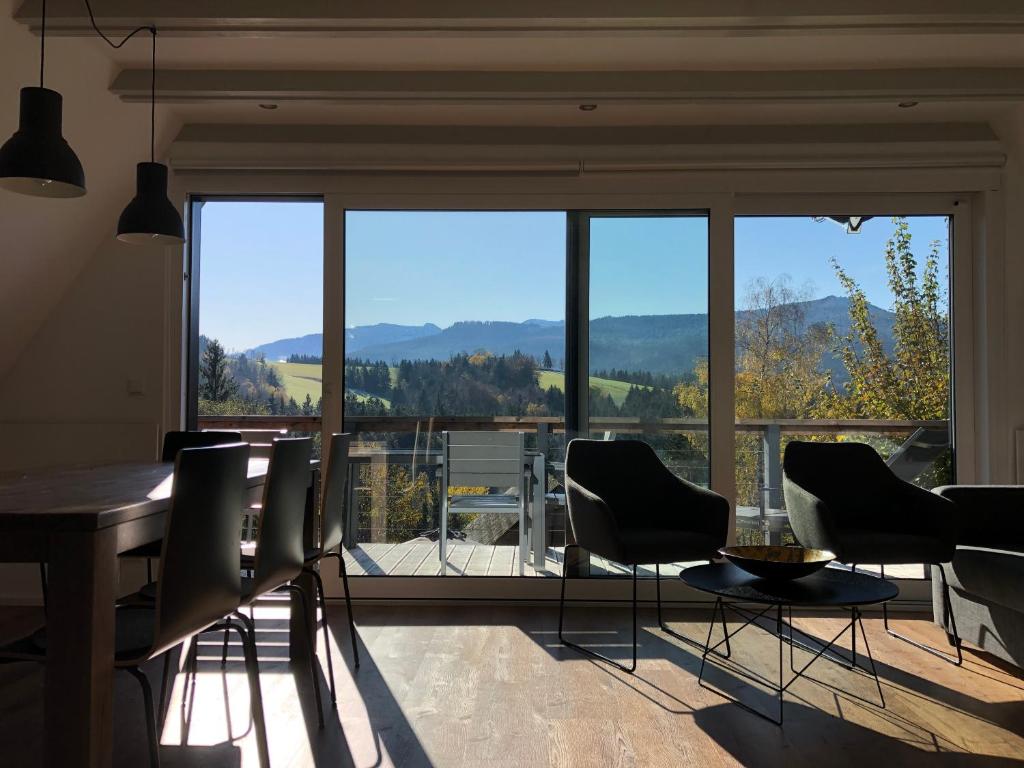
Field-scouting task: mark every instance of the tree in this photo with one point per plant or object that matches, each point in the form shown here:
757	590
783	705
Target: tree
778	372
778	357
547	364
911	382
215	381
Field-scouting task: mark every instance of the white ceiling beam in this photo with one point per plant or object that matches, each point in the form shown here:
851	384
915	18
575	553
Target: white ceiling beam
623	87
671	17
463	149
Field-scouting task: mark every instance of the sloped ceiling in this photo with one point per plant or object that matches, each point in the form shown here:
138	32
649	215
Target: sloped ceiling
44	244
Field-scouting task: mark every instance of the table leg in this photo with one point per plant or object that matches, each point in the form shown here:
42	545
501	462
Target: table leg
79	672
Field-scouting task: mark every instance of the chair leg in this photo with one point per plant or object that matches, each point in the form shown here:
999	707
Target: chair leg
147	700
327	633
224	651
247	633
43	585
164	679
669	631
311	643
947	606
580	648
343	572
149	570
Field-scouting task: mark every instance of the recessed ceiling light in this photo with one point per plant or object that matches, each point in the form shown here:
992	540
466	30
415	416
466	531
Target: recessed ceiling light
907	104
588	107
268	106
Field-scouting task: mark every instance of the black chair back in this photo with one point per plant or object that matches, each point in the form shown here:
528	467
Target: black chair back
335	495
851	478
279	545
176	440
199	581
627	475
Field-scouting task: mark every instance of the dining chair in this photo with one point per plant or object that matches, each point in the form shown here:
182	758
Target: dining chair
627	506
279	555
333	507
175	441
487	460
199	585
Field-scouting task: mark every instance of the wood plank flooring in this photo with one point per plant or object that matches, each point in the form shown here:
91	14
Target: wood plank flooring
419	557
468	686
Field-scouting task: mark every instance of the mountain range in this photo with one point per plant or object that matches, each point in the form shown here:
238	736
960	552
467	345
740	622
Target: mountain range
669	344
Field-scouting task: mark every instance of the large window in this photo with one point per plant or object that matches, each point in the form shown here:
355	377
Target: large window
565	323
842	333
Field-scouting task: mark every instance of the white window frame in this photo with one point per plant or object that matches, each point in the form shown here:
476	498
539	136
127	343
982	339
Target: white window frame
975	254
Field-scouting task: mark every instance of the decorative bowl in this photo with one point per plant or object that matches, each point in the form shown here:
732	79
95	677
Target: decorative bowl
777	563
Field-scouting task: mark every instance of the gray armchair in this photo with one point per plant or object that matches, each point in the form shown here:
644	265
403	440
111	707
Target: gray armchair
842	497
626	506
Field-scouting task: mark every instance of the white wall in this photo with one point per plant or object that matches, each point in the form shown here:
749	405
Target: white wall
1008	415
44	243
66	400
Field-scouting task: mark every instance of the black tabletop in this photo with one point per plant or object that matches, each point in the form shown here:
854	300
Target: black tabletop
827	587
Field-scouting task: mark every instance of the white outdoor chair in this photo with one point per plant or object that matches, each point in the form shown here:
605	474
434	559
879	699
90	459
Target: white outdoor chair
492	460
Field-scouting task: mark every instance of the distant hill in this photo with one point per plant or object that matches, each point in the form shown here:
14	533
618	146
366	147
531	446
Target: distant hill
356	339
669	344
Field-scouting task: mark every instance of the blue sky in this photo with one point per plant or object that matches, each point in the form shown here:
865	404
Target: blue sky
261	270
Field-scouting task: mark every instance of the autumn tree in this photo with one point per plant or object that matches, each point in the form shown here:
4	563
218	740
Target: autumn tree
912	380
778	370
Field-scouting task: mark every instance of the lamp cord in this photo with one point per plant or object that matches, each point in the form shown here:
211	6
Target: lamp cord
42	46
152	82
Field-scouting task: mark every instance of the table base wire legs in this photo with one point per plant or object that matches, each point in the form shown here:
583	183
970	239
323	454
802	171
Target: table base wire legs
579	648
954	636
784	638
669	631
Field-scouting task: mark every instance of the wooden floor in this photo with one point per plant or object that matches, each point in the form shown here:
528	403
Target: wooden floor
474	686
419	557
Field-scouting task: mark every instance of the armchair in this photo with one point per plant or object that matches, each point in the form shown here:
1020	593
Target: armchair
842	497
626	506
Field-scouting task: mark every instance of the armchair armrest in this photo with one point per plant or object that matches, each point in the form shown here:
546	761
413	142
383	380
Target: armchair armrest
987	515
594	525
813	523
704	510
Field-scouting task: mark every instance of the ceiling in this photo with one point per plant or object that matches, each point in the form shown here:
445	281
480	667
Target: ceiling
528	63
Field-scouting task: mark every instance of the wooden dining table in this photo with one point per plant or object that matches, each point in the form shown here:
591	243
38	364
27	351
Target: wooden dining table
77	520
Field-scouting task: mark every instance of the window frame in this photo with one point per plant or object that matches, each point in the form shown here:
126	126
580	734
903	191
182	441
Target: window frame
972	197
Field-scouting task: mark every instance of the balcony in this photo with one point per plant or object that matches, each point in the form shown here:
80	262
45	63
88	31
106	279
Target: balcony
394	467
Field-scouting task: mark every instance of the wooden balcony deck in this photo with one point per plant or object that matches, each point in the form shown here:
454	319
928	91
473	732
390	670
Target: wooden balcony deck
418	557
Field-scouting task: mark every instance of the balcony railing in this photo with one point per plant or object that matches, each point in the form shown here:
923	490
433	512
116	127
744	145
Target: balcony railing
411	443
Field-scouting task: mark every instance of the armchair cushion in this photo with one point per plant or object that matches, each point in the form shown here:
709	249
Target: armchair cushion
992	574
892	548
660	545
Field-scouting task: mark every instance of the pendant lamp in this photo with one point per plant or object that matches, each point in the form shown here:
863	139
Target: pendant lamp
150	217
37	160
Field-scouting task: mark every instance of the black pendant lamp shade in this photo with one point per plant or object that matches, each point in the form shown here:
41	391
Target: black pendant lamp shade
36	160
150	217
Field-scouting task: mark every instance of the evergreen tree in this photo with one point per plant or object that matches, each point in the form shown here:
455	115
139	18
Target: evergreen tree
547	364
215	381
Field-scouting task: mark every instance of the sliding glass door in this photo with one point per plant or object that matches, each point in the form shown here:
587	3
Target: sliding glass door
454	322
647	351
843	333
